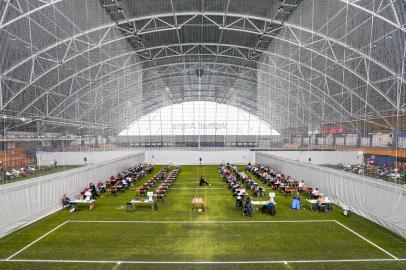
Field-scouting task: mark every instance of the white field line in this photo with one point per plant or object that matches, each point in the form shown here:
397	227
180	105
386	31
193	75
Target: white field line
201	222
36	240
394	258
206	262
370	242
160	222
186	188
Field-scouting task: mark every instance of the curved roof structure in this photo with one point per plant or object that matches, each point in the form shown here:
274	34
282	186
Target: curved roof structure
293	63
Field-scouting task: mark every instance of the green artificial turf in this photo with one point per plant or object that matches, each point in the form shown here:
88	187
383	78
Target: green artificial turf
197	237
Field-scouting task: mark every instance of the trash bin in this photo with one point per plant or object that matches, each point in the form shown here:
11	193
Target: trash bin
129	207
346	210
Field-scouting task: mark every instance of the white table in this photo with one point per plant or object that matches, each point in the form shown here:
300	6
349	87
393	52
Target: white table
144	201
260	203
89	202
314	201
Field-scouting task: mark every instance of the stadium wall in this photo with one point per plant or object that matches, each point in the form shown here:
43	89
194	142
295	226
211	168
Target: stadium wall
321	157
77	158
192	157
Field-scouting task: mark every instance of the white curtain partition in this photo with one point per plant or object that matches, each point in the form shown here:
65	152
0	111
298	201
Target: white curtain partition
24	202
376	200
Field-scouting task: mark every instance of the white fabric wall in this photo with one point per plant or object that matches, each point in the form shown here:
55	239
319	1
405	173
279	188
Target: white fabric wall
77	158
23	202
321	157
192	157
374	199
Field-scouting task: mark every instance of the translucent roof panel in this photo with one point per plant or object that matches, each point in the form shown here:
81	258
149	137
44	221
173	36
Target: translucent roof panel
199	118
295	64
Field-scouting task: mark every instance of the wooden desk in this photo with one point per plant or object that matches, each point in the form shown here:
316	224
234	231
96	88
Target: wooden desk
196	202
290	190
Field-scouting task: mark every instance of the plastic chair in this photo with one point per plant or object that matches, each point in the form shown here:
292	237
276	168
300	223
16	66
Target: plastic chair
150	196
129	207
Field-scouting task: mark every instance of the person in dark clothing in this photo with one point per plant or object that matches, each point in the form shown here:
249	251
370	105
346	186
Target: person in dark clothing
66	200
247	211
269	208
238	202
203	182
92	189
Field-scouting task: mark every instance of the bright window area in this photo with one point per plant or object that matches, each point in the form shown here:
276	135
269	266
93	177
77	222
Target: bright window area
199	118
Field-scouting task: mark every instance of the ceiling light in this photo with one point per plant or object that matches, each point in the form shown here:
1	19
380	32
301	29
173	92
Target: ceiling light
167	89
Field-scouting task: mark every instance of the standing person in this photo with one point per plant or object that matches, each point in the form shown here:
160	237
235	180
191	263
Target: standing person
203	181
301	186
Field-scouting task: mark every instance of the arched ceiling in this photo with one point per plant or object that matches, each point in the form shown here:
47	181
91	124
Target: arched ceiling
293	63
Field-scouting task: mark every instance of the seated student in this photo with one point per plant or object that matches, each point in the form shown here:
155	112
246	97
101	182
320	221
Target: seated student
320	205
203	181
297	196
238	202
112	180
315	193
247	198
238	191
93	190
100	187
257	190
301	186
276	183
247	210
296	202
269	208
283	187
65	200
